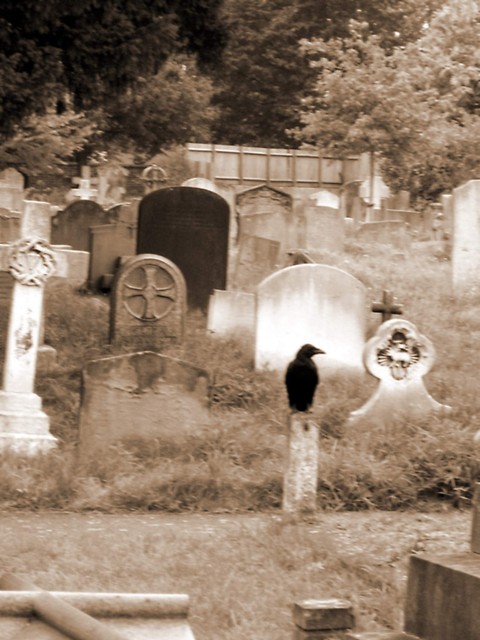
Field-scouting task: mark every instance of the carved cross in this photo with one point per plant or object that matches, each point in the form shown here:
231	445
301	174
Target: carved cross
387	307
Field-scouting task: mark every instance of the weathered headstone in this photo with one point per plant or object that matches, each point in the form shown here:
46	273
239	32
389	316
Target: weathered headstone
202	183
190	227
231	314
141	396
153	178
11	189
466	239
257	258
72	225
23	425
9	225
301	473
399	356
392	232
324	229
313	303
108	242
267	213
148	301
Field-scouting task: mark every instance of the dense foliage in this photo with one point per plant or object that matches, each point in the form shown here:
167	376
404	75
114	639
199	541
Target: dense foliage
399	79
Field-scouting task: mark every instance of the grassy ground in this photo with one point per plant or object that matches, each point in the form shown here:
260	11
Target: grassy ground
242	573
238	465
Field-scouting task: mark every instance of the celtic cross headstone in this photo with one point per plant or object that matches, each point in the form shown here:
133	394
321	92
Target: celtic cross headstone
23	425
148	302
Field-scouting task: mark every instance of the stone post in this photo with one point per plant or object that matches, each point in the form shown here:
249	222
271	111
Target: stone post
300	479
475	537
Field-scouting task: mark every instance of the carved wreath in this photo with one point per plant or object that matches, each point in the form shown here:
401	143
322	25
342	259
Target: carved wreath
32	261
400	353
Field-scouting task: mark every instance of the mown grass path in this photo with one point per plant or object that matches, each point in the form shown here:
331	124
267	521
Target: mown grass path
242	572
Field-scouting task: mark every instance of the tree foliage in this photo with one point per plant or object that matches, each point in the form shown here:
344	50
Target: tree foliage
416	106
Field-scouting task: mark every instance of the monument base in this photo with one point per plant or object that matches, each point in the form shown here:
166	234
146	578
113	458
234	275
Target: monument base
24	427
442	597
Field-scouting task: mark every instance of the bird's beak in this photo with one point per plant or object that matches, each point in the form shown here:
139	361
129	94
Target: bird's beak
319	351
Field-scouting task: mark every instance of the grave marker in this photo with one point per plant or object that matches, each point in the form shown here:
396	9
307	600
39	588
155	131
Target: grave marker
141	395
300	477
190	227
108	243
399	356
466	239
12	184
257	258
72	225
387	307
311	303
323	229
148	301
23	425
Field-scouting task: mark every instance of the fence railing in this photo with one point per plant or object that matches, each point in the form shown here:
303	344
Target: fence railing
282	167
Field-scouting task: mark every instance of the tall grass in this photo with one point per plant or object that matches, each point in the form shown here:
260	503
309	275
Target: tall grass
238	464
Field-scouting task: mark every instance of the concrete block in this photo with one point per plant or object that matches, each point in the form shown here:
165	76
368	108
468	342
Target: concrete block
323	615
443	597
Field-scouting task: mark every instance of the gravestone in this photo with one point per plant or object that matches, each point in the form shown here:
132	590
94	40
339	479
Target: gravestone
257	258
9	225
399	356
311	303
265	212
108	242
23	424
325	198
202	183
374	191
148	301
466	239
141	396
231	314
12	184
392	232
72	225
324	229
190	227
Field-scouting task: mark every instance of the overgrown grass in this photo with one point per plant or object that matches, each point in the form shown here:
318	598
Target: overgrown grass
238	464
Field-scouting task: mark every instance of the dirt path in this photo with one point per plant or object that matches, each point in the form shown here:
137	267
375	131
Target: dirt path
390	532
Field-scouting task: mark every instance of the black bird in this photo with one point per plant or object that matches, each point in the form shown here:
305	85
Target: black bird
301	378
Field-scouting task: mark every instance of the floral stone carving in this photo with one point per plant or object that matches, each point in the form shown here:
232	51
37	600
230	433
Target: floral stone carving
399	356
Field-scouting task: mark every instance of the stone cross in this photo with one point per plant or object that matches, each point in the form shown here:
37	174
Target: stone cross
84	191
300	479
387	306
153	177
23	426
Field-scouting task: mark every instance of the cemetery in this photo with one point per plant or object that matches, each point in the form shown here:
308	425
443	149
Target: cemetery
144	347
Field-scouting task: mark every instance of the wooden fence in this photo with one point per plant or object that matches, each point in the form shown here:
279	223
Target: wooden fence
276	167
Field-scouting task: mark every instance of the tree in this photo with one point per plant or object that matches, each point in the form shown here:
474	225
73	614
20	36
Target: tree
90	50
416	106
263	75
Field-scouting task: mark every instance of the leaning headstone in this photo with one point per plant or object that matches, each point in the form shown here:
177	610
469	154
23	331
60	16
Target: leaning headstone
141	396
108	242
301	473
311	303
256	259
190	227
72	225
148	301
399	356
324	229
23	424
466	239
267	213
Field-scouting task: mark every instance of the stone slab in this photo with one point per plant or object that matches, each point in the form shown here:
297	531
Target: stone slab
137	616
231	313
443	596
323	614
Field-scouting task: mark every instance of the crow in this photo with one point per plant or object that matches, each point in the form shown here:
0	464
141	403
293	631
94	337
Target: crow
301	378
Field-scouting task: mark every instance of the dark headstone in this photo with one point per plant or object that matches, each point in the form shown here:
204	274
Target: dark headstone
190	227
71	226
108	243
